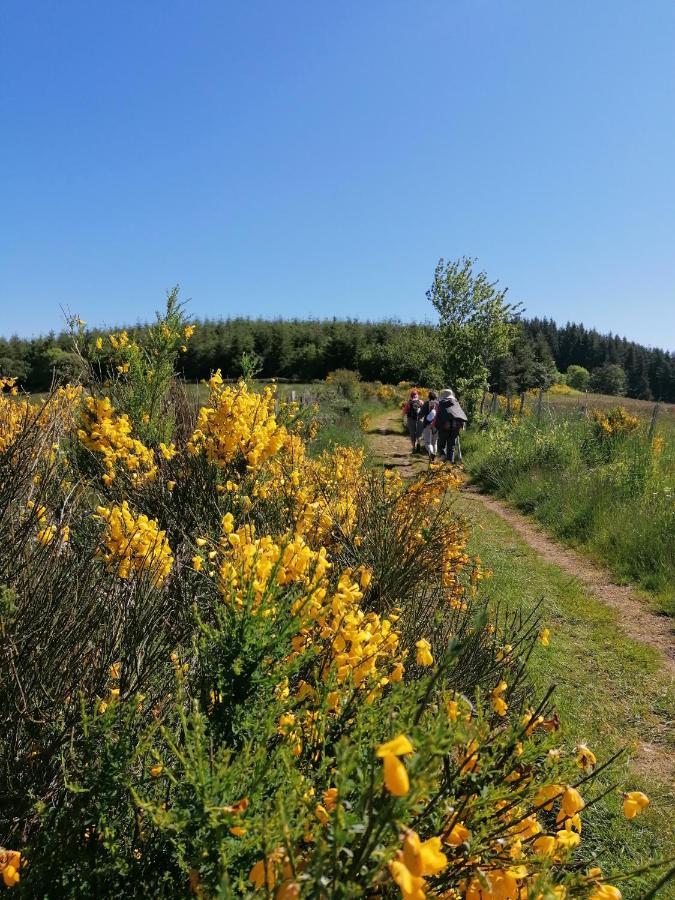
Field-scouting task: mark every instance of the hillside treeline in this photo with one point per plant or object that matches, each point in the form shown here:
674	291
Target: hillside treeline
390	351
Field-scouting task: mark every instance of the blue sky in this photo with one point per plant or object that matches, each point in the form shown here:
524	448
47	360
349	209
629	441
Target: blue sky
316	159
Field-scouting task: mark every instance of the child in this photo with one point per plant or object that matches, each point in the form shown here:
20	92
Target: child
428	417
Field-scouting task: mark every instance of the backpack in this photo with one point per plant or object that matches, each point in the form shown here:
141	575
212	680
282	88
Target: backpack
414	408
450	414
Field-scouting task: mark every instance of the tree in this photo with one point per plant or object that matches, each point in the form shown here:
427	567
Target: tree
476	323
578	377
609	379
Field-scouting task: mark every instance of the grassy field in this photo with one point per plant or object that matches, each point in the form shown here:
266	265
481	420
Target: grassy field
595	479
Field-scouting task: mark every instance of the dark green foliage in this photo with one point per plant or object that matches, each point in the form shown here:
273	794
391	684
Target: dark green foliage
385	351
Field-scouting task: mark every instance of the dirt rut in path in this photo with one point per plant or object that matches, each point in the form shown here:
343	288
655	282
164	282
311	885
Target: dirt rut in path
635	618
391	448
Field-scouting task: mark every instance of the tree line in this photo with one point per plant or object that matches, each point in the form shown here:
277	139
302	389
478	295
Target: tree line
305	350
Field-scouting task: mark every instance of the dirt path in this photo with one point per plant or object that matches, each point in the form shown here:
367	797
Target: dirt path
392	449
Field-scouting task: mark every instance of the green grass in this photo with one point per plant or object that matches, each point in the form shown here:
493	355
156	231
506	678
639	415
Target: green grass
611	497
609	690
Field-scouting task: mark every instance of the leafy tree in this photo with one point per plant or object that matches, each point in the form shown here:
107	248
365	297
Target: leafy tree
578	377
609	379
476	324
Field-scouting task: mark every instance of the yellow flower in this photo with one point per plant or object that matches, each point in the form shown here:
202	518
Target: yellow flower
227	523
237	831
567	839
10	876
545	637
424	657
156	770
605	892
170	485
10	863
398	746
168	451
99	343
330	796
134	543
423	857
197	563
458	834
585	757
634	802
572	802
498	703
412	886
322	814
544	845
395	776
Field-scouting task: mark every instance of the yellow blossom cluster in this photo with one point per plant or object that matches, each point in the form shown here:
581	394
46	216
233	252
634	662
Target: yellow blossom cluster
524	837
19	413
615	422
10	863
237	423
109	434
14	414
134	543
356	647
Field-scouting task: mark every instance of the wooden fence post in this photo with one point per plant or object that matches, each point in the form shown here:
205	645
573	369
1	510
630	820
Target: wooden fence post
652	424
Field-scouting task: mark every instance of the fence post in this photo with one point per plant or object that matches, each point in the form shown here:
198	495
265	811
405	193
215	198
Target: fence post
494	402
652	424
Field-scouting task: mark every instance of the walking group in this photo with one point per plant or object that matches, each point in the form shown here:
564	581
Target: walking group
437	422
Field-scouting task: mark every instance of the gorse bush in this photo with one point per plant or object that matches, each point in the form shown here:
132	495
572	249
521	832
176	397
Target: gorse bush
233	668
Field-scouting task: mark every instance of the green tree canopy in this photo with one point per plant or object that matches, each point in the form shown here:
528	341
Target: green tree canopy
476	322
578	377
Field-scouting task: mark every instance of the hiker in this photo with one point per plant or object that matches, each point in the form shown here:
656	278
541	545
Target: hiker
411	411
428	417
450	420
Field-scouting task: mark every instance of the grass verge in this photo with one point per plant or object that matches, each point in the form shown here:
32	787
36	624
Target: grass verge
610	691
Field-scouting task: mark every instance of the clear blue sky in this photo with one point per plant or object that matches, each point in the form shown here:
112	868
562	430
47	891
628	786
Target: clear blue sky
316	158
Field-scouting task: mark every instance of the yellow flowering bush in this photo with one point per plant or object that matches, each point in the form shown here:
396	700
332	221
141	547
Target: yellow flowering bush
616	422
237	423
110	435
134	543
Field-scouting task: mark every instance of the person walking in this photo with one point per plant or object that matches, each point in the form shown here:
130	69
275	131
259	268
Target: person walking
411	411
428	417
450	420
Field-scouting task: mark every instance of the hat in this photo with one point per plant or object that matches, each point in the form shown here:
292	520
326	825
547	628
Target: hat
446	394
